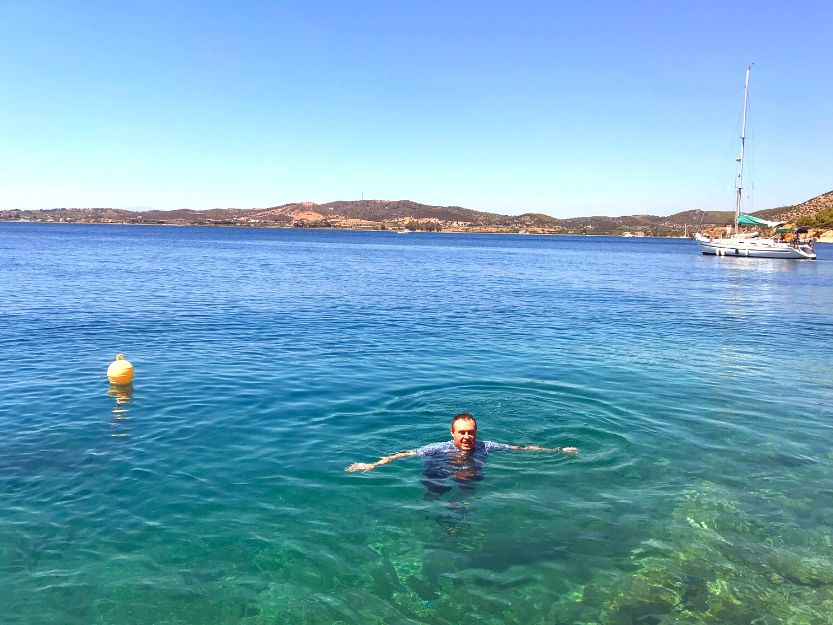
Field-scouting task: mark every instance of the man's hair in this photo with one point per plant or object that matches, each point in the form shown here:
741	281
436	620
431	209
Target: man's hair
463	416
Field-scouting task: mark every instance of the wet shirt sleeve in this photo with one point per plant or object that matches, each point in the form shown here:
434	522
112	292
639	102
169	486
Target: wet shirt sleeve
493	446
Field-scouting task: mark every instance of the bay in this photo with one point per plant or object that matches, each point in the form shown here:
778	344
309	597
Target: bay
699	391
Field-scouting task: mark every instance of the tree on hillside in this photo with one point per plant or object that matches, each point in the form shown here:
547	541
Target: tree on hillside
822	219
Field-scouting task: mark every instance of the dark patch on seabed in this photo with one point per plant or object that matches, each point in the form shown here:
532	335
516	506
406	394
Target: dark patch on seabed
714	563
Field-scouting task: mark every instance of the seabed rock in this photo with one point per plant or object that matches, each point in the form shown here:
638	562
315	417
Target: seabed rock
714	563
803	568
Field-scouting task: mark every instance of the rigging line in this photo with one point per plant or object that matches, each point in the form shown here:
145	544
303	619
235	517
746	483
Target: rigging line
752	182
724	170
752	132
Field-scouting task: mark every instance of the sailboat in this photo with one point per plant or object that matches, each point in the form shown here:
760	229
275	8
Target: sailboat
751	245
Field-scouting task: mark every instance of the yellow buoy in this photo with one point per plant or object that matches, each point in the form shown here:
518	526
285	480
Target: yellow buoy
120	371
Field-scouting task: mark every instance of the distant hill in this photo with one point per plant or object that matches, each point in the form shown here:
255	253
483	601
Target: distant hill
817	212
407	214
386	210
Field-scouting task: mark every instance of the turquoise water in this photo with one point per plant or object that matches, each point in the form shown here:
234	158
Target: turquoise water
699	390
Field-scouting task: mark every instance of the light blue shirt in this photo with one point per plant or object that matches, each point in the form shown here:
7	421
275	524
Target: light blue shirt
480	447
445	460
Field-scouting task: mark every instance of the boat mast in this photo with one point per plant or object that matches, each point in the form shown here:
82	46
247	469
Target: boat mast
742	146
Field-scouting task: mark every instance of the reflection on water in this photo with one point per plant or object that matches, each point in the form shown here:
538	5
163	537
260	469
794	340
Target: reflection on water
123	394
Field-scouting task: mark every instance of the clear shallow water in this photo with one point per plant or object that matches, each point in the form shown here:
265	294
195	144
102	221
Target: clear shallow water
698	389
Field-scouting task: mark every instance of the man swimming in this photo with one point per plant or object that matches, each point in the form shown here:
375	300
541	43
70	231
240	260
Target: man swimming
463	450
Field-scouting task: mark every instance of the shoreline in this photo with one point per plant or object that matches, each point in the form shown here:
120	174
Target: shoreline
823	236
318	229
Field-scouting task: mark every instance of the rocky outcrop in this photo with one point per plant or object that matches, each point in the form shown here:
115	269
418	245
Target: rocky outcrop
823	236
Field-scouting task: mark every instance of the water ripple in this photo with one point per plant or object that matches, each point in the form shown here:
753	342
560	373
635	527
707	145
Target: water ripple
213	490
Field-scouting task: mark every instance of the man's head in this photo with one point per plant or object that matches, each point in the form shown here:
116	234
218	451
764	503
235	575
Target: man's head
464	431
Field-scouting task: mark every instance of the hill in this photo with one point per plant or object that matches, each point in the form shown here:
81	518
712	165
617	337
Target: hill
803	213
407	214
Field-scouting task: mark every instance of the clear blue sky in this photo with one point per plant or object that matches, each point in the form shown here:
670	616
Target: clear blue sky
580	108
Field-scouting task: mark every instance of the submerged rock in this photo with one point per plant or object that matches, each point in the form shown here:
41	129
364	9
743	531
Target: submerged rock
713	562
803	568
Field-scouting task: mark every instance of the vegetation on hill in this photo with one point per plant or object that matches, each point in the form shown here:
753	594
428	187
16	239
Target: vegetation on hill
409	215
814	213
822	219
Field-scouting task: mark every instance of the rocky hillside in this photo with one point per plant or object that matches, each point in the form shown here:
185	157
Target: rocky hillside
800	212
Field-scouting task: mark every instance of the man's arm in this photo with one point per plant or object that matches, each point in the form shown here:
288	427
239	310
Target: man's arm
566	450
369	466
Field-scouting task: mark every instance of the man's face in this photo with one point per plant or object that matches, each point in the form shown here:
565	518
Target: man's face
464	434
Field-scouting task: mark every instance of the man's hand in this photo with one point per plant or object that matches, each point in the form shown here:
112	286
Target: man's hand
364	466
569	450
360	466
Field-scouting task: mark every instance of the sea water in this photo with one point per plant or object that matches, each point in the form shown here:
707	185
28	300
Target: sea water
699	391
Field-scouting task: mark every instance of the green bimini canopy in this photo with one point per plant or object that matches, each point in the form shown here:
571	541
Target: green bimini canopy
749	220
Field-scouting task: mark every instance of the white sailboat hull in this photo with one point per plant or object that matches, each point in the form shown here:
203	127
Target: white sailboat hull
751	246
755	248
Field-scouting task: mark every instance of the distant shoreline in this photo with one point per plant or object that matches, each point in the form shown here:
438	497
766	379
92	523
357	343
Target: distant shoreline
408	215
334	229
394	215
822	235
